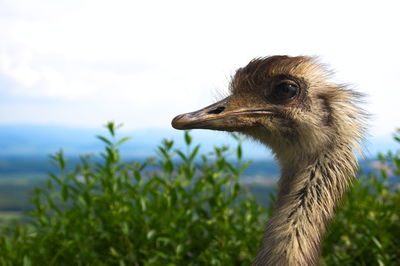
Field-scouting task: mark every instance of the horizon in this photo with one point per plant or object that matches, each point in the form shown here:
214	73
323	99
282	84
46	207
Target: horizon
35	140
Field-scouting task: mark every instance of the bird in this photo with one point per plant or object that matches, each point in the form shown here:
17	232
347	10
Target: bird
315	129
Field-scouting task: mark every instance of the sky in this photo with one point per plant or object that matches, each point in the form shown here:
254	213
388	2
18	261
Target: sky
81	63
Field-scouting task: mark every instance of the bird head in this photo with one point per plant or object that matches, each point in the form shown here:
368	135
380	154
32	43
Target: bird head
287	103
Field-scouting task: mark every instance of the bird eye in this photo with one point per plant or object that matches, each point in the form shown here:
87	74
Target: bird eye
284	91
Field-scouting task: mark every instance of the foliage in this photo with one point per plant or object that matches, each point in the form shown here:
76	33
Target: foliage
366	230
184	208
162	212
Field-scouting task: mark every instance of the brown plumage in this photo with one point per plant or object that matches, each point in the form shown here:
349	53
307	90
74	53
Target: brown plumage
313	127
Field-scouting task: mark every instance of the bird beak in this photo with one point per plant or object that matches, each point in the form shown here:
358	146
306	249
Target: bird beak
210	117
218	116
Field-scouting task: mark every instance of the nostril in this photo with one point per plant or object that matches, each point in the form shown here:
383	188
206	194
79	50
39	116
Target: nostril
216	110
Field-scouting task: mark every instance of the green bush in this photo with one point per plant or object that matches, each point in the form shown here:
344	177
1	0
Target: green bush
179	209
183	208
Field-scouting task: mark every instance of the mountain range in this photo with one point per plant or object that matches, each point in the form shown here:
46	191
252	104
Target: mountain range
41	140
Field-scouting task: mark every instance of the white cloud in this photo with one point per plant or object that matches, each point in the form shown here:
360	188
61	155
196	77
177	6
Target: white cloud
142	62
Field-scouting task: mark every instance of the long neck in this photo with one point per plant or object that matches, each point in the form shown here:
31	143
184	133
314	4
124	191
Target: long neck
308	192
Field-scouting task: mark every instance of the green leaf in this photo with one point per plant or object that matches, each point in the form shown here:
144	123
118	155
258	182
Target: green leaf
239	152
188	138
168	166
114	252
181	154
151	234
235	136
111	128
26	261
125	228
64	193
123	140
194	153
103	139
167	144
179	249
137	175
143	204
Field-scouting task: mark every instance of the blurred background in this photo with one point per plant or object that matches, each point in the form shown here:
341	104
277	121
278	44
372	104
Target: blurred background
68	67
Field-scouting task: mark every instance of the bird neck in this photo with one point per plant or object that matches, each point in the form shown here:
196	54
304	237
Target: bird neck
309	189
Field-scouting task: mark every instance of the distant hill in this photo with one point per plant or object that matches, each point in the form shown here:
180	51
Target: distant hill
41	140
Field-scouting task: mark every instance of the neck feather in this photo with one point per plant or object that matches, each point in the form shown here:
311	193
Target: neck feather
308	192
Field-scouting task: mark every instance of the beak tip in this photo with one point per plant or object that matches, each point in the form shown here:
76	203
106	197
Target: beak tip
177	122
